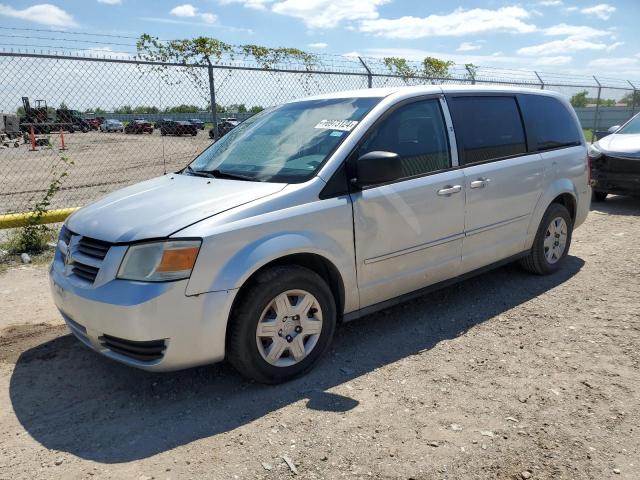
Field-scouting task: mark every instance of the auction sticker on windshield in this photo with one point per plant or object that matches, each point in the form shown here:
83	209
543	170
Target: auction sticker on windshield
344	125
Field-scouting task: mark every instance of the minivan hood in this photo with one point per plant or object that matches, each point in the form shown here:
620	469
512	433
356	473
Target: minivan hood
620	143
159	207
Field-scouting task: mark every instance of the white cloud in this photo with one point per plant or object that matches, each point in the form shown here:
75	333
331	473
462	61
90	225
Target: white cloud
186	10
111	2
457	23
550	3
603	11
318	45
468	47
328	13
256	4
578	38
357	54
575	31
614	45
613	62
558	60
569	44
44	13
189	11
572	9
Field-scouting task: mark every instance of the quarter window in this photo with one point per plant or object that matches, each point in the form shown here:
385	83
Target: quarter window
553	124
487	128
417	133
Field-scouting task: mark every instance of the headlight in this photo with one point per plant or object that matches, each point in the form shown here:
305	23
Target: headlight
159	261
594	152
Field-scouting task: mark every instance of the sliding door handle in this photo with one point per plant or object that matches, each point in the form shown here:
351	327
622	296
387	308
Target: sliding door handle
449	190
479	183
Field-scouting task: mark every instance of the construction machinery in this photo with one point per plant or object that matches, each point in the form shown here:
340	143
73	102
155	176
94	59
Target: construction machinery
9	130
37	118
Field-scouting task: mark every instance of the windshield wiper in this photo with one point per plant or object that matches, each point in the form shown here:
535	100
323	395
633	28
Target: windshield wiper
231	175
198	173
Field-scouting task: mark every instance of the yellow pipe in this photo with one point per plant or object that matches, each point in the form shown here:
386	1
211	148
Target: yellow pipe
15	220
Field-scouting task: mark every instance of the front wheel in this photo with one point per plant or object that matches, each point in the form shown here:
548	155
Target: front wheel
282	324
552	242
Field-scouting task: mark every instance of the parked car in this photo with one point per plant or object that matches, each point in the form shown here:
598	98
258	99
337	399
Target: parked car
139	126
318	211
94	123
111	125
197	122
615	161
225	125
159	123
178	128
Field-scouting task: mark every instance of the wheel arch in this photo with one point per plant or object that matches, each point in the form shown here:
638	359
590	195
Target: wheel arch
315	262
562	191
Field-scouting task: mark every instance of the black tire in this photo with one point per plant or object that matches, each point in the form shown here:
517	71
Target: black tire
599	196
536	261
242	349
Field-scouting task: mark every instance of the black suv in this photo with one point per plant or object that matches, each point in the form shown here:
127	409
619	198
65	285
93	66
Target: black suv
178	128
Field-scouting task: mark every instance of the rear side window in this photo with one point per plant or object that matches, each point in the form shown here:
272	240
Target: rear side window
550	121
417	133
487	128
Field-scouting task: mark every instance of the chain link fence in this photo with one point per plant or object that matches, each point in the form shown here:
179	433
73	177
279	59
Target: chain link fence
71	96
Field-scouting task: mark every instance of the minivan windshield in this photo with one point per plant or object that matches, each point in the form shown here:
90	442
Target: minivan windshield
633	127
284	144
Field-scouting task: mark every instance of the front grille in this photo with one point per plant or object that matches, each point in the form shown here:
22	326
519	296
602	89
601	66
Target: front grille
65	235
90	248
93	248
147	351
86	272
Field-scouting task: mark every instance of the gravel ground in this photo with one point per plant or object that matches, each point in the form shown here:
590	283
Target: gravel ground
506	376
102	162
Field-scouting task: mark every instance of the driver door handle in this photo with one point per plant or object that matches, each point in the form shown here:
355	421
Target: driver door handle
449	190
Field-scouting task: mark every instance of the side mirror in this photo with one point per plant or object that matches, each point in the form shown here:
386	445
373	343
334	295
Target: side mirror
377	167
614	129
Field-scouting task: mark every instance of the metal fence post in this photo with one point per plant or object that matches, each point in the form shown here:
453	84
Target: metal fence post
212	95
540	80
634	98
469	68
369	74
596	119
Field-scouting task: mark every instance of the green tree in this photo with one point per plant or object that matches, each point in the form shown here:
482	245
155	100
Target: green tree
183	108
400	66
580	100
126	109
256	109
632	98
146	109
435	68
237	108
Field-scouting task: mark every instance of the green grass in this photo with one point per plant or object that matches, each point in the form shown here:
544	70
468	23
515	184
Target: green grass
588	134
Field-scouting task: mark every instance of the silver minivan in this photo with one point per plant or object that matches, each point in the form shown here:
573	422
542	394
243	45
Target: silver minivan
320	211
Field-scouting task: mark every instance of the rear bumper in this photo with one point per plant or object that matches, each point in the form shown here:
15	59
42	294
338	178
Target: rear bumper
145	325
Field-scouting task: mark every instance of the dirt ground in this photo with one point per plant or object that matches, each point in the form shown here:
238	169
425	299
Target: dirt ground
102	162
506	376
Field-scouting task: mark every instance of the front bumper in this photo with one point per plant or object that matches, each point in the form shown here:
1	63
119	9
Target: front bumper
616	183
153	326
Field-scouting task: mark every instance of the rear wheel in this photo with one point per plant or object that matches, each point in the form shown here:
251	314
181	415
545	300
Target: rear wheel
599	196
552	242
281	325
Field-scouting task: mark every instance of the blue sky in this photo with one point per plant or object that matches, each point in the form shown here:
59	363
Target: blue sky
551	35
